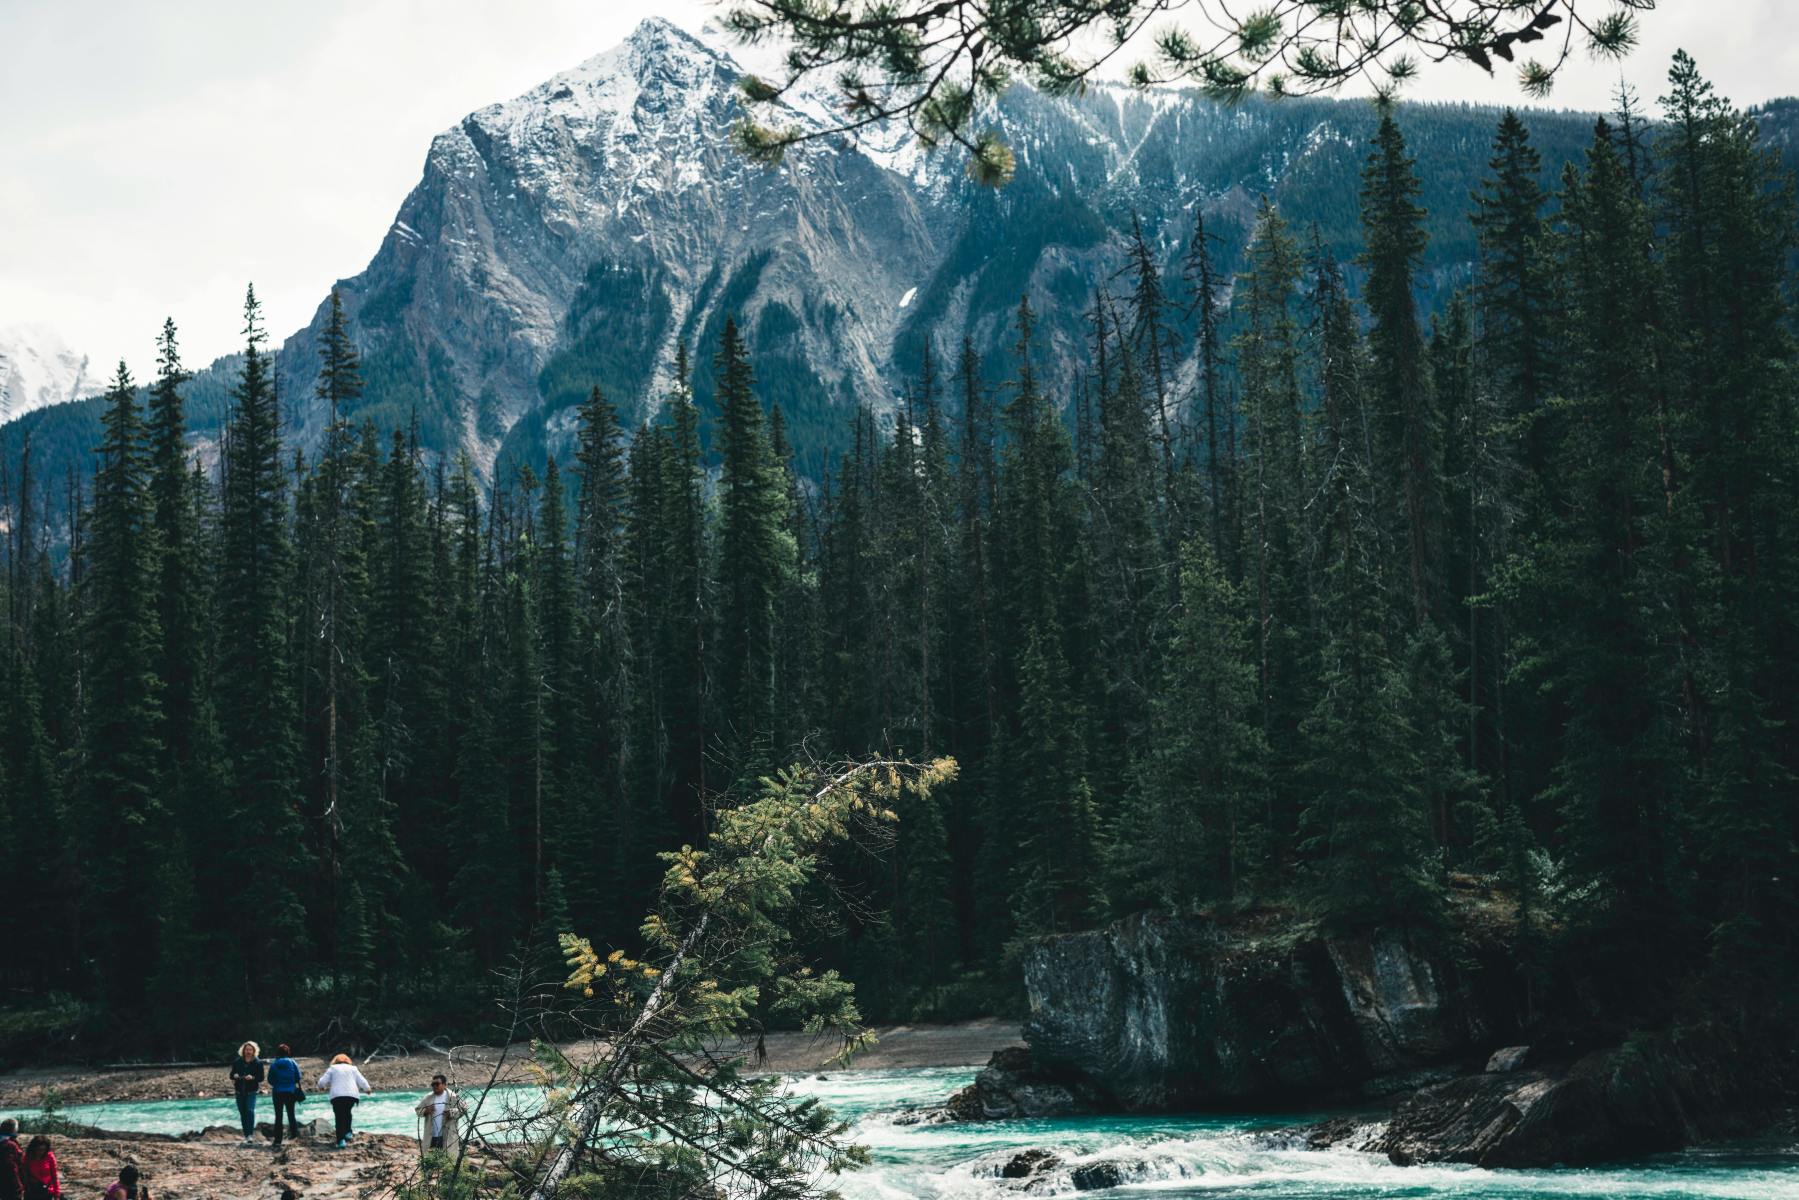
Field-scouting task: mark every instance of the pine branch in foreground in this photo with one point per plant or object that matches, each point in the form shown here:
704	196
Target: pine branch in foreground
657	1101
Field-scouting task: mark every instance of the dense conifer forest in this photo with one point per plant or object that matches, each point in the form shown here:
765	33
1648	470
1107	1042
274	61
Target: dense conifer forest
1378	604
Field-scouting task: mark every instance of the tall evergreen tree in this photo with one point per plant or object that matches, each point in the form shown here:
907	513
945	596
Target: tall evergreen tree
1192	830
756	558
256	699
1274	490
1399	377
122	714
1202	278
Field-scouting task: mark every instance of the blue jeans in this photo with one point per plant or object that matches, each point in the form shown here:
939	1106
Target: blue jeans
246	1111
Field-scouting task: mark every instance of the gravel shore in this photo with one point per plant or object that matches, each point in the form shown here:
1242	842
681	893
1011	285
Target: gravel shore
214	1166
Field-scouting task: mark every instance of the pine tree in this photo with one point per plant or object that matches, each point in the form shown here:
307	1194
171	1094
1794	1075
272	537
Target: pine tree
339	548
1191	831
610	661
756	558
1128	578
1275	488
643	820
121	754
40	862
1482	482
1399	377
1365	833
1728	210
179	567
1202	279
1055	879
1154	343
1043	795
1606	588
407	658
256	701
685	652
567	789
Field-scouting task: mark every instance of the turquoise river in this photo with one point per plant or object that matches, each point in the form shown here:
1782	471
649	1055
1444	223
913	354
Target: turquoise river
1193	1156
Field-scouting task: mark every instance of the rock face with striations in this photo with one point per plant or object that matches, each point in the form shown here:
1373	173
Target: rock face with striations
1160	1012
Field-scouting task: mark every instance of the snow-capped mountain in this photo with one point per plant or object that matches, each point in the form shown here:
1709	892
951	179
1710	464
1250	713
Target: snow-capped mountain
38	369
574	235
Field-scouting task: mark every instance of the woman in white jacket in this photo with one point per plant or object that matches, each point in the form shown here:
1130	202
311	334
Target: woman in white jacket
345	1085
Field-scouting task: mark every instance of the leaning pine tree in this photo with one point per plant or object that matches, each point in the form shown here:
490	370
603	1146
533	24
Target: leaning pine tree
652	1112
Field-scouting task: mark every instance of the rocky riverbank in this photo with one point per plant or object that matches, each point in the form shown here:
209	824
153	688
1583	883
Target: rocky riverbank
1164	1013
965	1044
215	1166
1419	1038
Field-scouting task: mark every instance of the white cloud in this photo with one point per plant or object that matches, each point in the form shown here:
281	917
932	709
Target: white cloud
155	158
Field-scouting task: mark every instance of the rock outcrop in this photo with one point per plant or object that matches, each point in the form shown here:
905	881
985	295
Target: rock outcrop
1157	1012
1011	1086
1649	1095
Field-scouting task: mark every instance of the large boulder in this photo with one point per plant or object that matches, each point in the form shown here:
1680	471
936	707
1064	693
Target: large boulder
1157	1012
1011	1086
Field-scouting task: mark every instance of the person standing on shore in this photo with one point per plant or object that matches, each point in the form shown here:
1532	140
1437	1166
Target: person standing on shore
42	1180
284	1090
12	1162
246	1080
441	1109
345	1085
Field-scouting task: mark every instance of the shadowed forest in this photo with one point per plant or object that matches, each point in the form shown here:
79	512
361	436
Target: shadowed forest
1304	597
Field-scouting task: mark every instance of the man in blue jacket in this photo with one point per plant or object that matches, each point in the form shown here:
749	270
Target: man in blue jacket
284	1087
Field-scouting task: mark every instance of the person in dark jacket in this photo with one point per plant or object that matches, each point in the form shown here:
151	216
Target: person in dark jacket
246	1081
12	1162
284	1089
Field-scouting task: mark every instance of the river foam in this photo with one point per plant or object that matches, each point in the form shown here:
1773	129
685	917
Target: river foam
1214	1157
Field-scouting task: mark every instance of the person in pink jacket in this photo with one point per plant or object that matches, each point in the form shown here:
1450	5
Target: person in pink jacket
42	1179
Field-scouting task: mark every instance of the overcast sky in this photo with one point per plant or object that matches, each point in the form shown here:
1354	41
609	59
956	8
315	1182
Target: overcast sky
155	157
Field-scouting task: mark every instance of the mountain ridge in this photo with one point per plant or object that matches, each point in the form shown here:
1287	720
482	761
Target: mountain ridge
570	236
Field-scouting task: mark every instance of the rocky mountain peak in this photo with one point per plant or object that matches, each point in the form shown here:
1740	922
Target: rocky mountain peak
659	76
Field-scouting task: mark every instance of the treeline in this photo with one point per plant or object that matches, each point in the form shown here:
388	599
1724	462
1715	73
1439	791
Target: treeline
1300	599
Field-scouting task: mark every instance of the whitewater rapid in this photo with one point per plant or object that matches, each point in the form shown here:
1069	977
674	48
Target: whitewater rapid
1209	1156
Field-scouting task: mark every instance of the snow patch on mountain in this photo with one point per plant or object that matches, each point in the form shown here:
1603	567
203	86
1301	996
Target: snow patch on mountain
38	369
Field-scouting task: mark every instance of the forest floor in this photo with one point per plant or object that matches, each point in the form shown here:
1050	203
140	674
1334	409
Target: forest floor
966	1044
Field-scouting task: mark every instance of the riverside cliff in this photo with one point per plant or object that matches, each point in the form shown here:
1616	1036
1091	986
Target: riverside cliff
1424	1037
